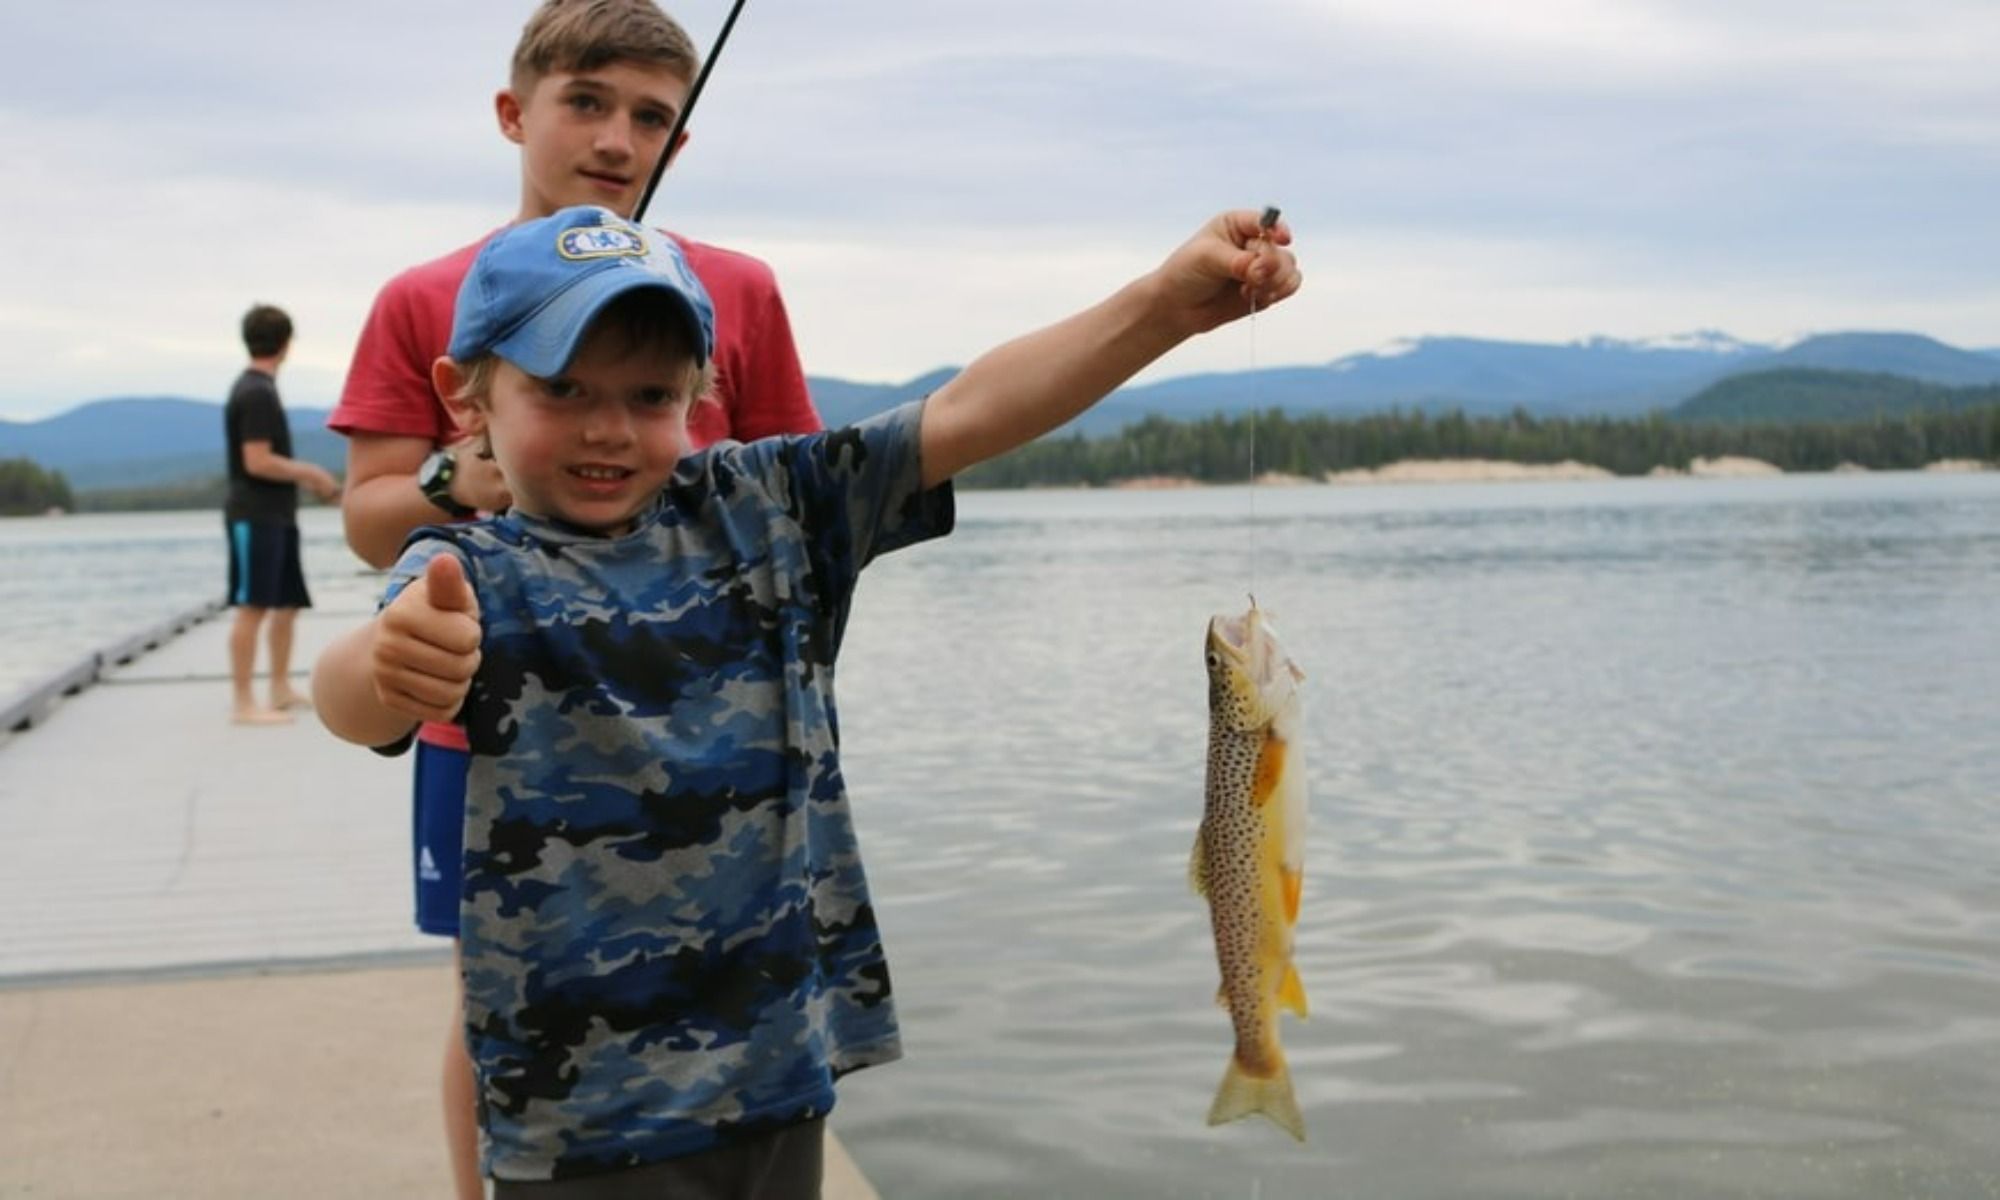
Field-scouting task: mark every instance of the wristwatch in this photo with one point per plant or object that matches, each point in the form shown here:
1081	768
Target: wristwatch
434	480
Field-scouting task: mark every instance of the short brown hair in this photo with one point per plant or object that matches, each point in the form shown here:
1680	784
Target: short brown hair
583	35
266	330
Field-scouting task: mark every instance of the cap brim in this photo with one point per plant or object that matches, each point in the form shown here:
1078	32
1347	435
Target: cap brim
546	342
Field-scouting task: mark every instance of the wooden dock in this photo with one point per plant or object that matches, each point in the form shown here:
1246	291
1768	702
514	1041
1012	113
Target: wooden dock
209	981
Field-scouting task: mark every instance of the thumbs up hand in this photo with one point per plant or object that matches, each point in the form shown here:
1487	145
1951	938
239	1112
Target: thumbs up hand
427	643
447	589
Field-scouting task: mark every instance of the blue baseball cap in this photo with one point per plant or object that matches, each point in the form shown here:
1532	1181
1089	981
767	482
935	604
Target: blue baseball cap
535	288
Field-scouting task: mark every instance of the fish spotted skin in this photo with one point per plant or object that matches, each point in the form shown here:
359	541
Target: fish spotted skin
1249	858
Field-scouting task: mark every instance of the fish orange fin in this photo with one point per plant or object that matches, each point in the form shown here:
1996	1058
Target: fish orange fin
1292	992
1197	867
1242	1093
1295	882
1222	998
1270	769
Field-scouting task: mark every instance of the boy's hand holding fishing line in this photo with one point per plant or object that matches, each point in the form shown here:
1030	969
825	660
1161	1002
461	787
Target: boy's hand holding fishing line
1240	247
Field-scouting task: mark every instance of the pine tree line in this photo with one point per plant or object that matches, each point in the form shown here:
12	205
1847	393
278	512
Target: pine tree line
26	489
1216	449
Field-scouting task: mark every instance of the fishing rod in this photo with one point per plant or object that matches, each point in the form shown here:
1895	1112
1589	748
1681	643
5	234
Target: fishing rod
680	122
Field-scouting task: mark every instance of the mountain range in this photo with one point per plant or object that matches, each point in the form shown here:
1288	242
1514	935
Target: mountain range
142	441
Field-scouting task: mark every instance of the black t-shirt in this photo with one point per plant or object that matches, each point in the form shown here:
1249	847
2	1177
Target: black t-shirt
255	415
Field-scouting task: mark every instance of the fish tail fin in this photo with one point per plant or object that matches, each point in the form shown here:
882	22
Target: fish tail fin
1242	1093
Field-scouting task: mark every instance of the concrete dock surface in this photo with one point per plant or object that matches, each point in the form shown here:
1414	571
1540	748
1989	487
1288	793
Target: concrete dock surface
209	981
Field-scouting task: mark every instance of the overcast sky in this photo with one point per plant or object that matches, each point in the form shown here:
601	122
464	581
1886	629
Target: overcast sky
929	177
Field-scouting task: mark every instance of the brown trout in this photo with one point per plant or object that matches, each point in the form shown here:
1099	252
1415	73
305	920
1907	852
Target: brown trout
1249	857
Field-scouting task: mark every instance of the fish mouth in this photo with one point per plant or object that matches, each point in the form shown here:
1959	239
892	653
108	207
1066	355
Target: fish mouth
1238	635
1230	637
1250	644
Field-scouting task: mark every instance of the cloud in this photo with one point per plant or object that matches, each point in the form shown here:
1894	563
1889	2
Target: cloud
928	179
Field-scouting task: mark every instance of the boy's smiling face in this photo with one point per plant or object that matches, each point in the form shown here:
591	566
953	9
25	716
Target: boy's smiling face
591	137
594	445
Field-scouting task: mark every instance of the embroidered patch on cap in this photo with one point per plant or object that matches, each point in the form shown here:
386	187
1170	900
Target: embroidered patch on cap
600	241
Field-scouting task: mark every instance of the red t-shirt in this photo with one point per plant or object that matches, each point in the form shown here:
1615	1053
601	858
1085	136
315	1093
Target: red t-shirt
760	389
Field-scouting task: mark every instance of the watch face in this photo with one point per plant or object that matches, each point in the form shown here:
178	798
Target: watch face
435	474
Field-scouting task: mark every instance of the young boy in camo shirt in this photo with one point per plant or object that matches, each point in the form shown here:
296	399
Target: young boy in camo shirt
669	951
593	92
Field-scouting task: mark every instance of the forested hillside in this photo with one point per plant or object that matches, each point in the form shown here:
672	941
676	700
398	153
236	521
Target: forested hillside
1806	394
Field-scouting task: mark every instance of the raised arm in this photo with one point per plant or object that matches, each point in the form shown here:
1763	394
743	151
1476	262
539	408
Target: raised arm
1020	390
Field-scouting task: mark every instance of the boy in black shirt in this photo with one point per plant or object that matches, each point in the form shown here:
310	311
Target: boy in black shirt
261	516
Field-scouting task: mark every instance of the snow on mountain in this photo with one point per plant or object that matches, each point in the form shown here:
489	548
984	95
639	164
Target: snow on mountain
1704	341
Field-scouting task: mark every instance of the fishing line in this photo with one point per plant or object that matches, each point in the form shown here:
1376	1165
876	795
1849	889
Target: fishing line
680	122
1265	221
1256	550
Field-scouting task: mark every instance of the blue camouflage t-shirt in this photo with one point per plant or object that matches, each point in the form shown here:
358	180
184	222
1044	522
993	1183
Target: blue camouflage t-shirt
665	929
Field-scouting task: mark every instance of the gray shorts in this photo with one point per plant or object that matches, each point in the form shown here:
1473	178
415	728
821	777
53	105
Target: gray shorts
784	1164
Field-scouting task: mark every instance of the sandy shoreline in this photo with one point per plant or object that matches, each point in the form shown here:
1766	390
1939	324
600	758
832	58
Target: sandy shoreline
1467	470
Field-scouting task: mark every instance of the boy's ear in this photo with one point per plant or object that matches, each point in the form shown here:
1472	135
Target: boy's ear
449	381
507	107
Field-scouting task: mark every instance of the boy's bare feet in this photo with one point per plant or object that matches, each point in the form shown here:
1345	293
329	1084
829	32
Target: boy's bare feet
261	716
286	699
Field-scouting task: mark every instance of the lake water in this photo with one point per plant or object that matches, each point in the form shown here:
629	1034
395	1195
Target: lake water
1655	845
71	585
